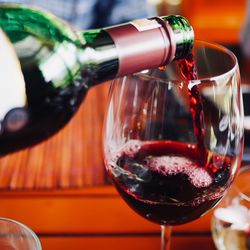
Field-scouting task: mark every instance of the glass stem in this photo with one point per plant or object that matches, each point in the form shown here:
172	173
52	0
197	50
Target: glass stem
165	237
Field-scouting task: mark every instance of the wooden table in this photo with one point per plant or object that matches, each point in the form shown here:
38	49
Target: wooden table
93	219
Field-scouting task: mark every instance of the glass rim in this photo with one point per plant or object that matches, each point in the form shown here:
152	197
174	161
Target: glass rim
34	236
215	78
238	189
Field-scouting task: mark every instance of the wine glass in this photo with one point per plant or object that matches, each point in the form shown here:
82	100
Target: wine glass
173	146
16	236
231	219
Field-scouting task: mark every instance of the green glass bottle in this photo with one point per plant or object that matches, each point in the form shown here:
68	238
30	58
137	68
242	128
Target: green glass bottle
59	65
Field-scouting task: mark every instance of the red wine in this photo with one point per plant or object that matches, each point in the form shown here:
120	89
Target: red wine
164	182
189	71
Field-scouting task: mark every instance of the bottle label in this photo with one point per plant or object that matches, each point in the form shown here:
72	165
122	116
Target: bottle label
145	24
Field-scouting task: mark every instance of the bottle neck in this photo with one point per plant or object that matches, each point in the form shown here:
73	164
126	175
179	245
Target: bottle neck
142	44
182	33
128	48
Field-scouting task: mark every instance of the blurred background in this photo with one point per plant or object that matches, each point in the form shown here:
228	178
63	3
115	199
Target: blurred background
60	189
215	20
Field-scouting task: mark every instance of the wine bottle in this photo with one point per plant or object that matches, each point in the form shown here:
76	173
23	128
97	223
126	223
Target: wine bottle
59	65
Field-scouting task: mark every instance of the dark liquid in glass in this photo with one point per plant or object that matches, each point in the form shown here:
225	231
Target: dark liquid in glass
171	182
164	182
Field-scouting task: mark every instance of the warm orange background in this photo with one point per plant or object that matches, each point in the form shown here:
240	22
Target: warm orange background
59	188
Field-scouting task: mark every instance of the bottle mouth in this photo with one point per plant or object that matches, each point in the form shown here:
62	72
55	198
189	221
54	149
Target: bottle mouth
183	34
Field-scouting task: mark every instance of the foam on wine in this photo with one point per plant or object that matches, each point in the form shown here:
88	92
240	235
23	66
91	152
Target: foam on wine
131	148
173	165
